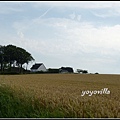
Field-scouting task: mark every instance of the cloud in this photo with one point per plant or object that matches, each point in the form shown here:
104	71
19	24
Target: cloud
72	16
45	12
20	34
80	42
108	13
80	4
71	37
111	8
79	17
9	7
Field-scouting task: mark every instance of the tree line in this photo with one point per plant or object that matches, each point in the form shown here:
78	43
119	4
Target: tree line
82	71
12	56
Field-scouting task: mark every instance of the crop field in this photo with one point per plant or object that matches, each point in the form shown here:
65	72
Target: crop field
63	93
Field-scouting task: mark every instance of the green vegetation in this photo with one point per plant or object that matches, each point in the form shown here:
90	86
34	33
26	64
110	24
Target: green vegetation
20	105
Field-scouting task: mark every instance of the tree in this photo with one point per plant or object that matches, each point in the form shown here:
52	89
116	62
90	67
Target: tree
96	73
1	57
85	71
12	55
79	70
23	57
82	71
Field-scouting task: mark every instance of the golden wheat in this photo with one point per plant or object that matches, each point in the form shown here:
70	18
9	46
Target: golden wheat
64	91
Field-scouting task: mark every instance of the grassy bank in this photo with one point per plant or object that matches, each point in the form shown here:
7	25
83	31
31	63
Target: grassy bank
20	105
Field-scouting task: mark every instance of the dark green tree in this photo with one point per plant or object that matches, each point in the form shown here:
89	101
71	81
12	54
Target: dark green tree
1	57
13	55
22	57
10	55
85	71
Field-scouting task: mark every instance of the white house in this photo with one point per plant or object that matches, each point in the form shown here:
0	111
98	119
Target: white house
38	67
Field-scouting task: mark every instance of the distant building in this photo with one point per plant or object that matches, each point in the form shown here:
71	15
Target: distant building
38	67
66	70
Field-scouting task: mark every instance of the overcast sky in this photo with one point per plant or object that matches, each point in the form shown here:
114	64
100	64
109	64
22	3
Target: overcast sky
84	35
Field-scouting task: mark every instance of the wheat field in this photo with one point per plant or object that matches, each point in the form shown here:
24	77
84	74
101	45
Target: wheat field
64	91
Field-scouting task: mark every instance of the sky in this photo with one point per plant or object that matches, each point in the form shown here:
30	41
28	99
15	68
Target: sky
78	34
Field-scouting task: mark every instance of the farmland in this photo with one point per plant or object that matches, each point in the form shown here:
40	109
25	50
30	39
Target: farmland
62	93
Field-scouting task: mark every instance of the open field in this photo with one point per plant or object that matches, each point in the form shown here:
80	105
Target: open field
63	91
